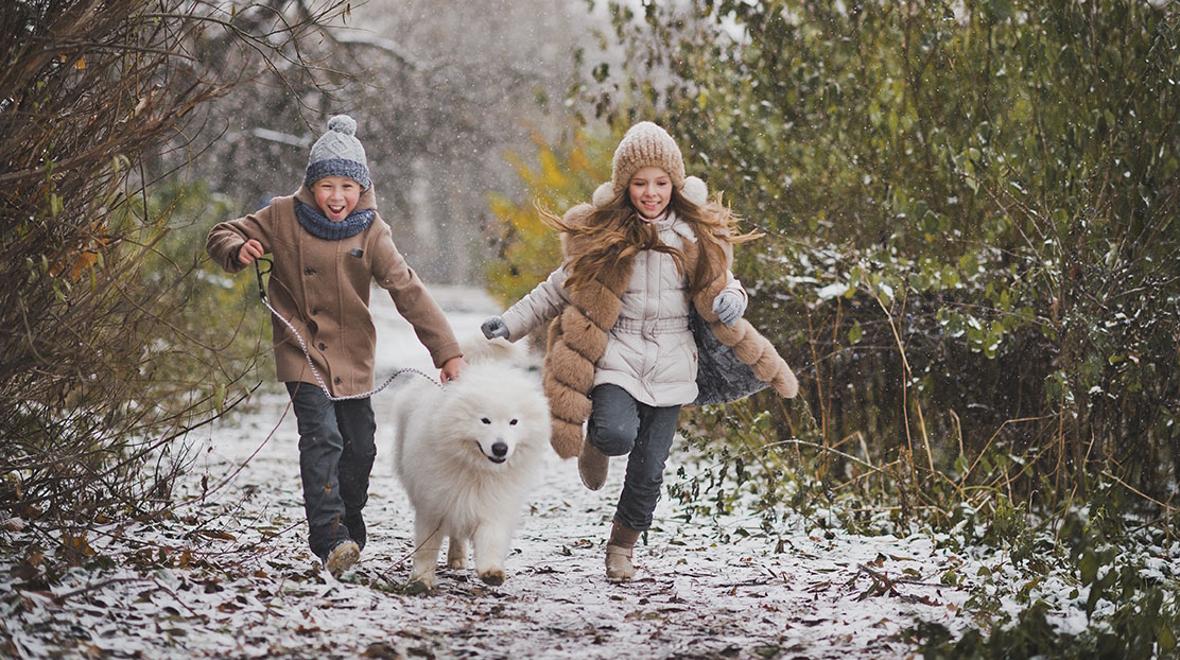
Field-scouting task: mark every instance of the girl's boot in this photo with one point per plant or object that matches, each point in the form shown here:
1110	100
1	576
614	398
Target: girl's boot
618	553
592	466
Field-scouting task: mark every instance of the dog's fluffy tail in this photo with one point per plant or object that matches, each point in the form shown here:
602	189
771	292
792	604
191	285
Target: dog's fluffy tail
478	350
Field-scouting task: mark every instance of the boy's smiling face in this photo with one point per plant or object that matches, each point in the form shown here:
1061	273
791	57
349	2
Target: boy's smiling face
336	196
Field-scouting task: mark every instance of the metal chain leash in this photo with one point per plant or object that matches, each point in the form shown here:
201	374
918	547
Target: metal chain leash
306	353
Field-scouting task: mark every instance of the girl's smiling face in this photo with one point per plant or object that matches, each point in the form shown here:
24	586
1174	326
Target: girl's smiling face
337	196
650	191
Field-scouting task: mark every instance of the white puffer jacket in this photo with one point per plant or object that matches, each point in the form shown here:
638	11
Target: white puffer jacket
650	351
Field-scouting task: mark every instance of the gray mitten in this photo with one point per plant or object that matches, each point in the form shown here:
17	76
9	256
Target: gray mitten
729	306
494	327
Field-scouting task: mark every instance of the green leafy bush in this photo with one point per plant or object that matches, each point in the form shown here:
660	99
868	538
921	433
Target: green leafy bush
971	218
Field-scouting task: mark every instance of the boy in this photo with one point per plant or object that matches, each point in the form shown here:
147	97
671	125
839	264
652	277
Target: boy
329	243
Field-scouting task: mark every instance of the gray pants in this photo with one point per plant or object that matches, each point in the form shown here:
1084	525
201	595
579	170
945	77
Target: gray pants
620	425
336	452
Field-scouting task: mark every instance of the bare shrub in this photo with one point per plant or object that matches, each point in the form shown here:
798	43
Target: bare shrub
99	371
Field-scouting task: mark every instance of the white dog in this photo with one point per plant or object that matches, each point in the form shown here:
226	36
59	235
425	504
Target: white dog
466	455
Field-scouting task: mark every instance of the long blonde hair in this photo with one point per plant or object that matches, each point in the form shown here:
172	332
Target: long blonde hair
616	233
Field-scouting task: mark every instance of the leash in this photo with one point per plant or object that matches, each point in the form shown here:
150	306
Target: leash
306	354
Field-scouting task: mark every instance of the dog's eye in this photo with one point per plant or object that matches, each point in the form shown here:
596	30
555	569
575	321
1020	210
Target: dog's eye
485	420
512	423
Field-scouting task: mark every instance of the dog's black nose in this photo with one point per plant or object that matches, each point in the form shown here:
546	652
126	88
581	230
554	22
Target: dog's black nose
499	449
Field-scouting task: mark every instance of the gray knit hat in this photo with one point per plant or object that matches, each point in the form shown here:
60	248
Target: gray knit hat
338	153
647	144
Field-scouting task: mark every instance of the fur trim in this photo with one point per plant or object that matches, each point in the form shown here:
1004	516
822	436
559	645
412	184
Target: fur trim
581	332
581	380
787	386
564	402
730	335
566	438
750	350
603	195
767	365
599	304
552	335
695	191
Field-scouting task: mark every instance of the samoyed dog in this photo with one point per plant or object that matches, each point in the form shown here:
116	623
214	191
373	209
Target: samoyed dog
467	453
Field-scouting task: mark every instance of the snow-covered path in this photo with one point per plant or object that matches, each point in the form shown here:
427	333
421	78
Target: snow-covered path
245	584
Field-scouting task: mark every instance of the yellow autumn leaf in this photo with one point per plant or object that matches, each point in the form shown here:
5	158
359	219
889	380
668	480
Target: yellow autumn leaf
556	177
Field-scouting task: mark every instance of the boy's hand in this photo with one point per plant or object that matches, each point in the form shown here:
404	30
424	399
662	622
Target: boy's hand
250	251
451	368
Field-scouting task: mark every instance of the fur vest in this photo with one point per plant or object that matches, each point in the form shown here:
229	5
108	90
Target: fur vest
578	337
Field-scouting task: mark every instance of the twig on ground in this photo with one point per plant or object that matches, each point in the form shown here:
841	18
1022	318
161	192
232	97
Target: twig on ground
93	586
172	593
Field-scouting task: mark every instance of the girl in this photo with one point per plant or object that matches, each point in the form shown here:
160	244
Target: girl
639	262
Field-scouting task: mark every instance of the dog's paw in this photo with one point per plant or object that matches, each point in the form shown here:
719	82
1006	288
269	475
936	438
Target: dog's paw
419	587
421	584
492	576
457	555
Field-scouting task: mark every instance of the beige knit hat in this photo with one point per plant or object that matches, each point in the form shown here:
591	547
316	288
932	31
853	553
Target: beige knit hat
647	145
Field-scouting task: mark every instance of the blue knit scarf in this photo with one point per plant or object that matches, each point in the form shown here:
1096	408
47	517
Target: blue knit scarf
320	226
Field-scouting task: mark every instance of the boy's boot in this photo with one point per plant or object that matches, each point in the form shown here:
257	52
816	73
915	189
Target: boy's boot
355	523
342	557
592	465
618	553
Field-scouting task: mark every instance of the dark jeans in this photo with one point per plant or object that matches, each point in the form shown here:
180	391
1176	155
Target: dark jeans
620	425
336	452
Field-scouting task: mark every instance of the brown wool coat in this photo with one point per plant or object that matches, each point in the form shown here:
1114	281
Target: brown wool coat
322	287
578	337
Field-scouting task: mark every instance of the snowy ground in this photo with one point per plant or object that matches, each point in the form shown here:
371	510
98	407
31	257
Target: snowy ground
244	584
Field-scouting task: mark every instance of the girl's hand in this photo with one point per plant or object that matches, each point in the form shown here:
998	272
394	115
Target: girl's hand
451	368
494	327
729	307
250	251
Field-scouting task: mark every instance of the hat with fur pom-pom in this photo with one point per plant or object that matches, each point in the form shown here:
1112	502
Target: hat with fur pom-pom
648	145
338	153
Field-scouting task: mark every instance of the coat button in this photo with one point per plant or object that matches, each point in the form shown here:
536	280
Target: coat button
322	346
315	312
338	380
309	271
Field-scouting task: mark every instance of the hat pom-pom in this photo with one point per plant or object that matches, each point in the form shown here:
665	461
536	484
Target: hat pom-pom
695	191
342	124
603	195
